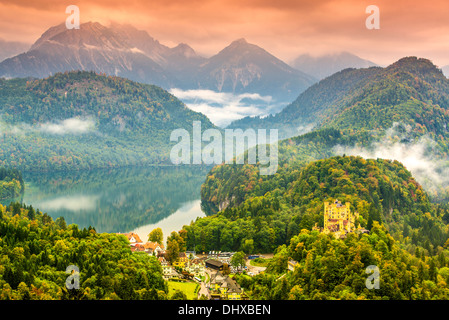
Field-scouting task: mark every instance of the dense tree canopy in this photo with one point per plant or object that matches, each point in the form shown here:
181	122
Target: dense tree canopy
11	183
35	252
269	212
329	268
84	120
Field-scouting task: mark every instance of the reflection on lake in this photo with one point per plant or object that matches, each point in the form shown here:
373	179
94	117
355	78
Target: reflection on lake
119	200
184	215
71	203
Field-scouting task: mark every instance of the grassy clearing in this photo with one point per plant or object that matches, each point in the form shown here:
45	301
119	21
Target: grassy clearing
259	262
187	287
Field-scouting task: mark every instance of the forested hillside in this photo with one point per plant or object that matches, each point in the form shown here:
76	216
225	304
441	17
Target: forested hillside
11	183
35	252
330	268
263	213
407	91
401	107
408	239
83	120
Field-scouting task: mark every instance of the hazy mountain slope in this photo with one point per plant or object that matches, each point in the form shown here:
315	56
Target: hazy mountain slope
317	102
11	48
323	66
445	70
244	67
179	62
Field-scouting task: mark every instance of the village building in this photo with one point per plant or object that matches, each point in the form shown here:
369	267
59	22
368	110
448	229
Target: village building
291	264
137	247
196	267
154	248
183	259
214	264
132	237
223	287
168	271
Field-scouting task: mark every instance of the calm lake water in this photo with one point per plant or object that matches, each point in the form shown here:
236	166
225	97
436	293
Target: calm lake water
119	200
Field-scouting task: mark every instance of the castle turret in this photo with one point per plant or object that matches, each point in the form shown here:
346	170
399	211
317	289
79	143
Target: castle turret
338	218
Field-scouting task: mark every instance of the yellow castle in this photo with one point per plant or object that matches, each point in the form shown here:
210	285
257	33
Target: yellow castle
339	219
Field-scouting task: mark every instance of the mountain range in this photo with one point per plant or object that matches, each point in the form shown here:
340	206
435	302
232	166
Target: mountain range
93	47
323	66
125	51
243	67
406	85
62	115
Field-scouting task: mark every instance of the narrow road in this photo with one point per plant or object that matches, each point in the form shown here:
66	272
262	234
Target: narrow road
203	288
254	269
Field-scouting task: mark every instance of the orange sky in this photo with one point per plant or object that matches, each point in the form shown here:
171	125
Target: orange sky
286	28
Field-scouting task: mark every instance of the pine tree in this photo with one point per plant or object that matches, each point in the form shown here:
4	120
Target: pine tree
31	213
432	270
442	260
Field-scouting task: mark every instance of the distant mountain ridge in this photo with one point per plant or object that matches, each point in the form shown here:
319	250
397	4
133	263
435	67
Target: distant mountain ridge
11	48
445	70
350	97
122	50
323	66
244	67
91	48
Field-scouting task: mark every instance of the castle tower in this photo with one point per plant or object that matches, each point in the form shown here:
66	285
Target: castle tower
338	218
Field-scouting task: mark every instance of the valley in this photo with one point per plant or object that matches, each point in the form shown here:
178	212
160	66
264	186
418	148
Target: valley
136	169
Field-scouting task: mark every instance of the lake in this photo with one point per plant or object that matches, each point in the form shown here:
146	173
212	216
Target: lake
119	200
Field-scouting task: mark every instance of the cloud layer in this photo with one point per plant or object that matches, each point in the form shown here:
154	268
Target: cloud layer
418	157
68	126
63	127
223	108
